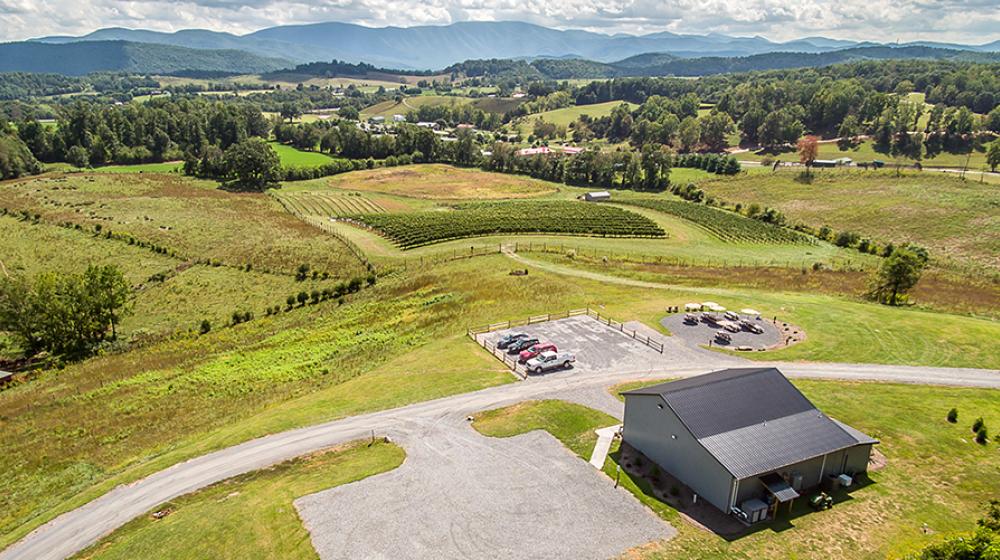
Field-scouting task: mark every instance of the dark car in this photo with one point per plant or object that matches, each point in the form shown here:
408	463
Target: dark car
523	344
508	339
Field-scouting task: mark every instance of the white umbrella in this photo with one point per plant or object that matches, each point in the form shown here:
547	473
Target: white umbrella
749	311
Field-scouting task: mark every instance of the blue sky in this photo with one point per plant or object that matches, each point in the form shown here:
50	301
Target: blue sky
964	21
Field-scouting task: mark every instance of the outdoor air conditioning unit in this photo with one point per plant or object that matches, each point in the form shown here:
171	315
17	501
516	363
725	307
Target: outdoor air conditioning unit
845	480
796	481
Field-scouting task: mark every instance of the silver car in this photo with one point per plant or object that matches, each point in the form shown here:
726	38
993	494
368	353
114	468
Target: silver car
550	360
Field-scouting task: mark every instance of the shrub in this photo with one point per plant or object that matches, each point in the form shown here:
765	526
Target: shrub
302	298
314	296
205	326
290	301
978	424
953	415
302	273
982	436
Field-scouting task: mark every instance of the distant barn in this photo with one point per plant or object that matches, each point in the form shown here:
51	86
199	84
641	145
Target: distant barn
597	196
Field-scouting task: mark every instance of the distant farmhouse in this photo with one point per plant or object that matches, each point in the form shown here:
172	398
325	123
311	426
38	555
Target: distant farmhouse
745	440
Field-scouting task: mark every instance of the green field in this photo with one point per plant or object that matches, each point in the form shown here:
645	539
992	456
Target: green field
889	518
728	226
940	212
292	157
191	218
213	523
865	152
387	109
567	115
439	182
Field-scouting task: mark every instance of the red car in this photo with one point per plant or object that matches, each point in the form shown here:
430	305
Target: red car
536	350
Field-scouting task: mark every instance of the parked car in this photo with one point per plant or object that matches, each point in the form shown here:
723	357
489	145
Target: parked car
690	319
523	344
550	360
732	316
723	336
508	339
731	326
710	317
536	350
752	327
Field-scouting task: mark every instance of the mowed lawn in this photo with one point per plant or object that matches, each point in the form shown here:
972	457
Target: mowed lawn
249	516
191	218
292	157
955	219
441	182
934	485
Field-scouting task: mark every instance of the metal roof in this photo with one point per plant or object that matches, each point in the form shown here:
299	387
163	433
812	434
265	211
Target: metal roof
753	420
779	487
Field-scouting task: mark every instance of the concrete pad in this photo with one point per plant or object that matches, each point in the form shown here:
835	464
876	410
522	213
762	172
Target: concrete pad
462	495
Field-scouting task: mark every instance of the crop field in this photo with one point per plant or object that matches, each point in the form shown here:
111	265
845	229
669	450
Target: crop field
326	203
441	182
414	229
943	213
728	226
191	219
291	157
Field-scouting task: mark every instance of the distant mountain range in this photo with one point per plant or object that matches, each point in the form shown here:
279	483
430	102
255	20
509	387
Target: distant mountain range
434	47
77	59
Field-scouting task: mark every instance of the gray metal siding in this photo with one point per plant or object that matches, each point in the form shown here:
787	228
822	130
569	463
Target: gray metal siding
813	471
649	429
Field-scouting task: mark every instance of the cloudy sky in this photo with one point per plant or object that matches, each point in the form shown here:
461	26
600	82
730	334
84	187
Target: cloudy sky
966	21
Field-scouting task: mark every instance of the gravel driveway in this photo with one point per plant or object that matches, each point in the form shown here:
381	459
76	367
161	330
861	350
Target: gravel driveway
462	495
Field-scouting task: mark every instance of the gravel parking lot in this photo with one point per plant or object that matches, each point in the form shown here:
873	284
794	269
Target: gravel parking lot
598	348
702	333
462	495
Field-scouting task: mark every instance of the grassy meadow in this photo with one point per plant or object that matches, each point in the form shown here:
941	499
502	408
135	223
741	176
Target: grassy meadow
440	182
934	484
567	115
399	342
249	516
191	219
387	109
974	160
292	157
940	212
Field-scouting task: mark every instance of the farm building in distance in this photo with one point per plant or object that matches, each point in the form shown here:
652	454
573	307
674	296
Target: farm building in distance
597	196
746	440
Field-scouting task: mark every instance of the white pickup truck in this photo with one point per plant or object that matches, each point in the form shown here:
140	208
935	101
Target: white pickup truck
550	360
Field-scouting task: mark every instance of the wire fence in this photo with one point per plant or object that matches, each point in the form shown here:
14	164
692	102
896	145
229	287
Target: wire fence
841	265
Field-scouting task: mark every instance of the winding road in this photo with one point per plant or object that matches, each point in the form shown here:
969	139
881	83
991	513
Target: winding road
75	530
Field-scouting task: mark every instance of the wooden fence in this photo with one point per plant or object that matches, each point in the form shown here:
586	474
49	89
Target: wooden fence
474	332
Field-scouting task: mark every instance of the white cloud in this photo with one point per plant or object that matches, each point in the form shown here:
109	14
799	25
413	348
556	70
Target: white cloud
966	21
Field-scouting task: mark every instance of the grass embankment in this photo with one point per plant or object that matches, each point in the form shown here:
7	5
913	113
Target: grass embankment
934	485
249	516
950	217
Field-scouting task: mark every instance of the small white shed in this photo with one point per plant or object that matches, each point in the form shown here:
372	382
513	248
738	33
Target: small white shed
597	196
